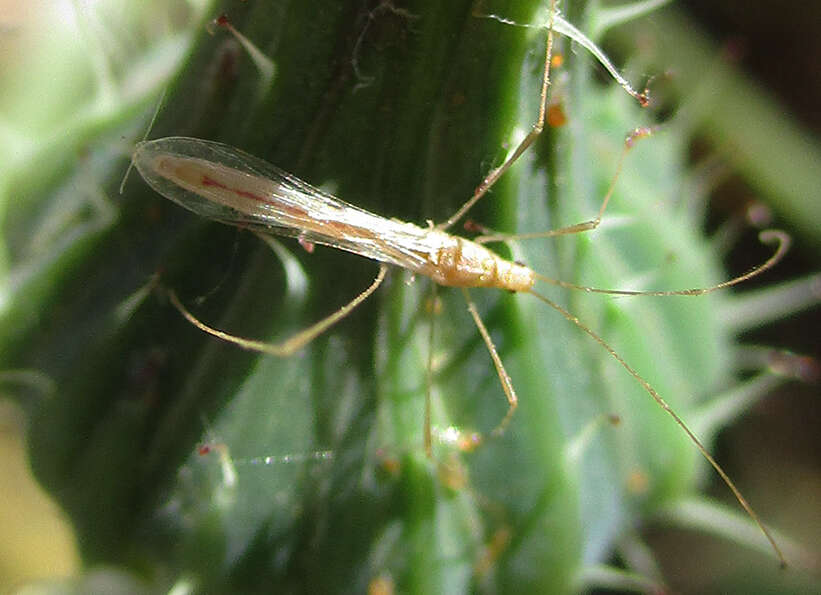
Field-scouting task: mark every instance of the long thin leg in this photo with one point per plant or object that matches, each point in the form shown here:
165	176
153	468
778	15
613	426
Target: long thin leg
535	131
429	376
629	142
504	378
294	343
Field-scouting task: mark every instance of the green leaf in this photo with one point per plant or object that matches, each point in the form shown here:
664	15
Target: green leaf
315	475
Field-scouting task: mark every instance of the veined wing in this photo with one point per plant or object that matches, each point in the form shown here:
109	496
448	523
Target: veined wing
226	184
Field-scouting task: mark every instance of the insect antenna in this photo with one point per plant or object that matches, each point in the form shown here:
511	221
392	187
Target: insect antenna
664	405
768	236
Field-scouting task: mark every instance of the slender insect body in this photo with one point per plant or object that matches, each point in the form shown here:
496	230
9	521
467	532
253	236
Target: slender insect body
244	190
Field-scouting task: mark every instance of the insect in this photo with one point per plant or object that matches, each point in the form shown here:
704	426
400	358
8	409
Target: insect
228	185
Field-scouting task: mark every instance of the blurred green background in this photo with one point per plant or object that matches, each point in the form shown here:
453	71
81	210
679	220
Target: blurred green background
772	452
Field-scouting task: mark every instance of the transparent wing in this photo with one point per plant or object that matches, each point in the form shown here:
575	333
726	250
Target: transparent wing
226	184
